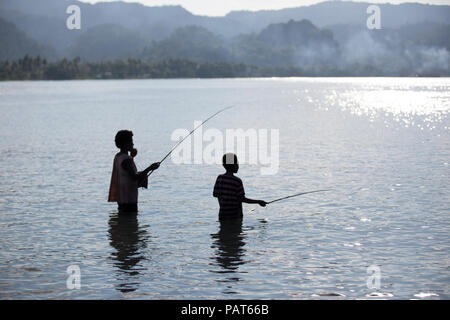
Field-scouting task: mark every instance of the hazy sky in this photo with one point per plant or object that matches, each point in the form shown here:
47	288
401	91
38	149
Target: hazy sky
222	7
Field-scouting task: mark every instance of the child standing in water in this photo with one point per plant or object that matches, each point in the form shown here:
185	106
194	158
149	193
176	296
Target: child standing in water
125	179
230	191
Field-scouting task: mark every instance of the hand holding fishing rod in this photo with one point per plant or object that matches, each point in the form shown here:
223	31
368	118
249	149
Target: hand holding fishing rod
262	203
143	175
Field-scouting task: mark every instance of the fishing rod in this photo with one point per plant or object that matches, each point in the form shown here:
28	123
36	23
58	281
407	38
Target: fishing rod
296	195
179	142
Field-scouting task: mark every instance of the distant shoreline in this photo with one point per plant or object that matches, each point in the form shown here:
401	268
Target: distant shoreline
225	78
36	68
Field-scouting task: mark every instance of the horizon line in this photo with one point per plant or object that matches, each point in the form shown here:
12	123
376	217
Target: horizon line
94	2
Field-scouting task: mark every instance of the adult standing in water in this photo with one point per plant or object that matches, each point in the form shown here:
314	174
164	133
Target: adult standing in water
125	179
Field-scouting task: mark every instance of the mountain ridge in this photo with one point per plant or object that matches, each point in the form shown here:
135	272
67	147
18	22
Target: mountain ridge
316	37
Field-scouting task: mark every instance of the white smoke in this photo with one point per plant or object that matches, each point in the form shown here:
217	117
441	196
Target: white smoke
390	55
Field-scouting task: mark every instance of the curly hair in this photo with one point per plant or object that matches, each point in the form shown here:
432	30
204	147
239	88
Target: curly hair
123	137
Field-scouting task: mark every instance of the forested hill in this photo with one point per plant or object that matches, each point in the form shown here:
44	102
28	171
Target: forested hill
328	38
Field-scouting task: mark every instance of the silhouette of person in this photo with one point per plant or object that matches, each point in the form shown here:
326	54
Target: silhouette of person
129	242
230	191
125	179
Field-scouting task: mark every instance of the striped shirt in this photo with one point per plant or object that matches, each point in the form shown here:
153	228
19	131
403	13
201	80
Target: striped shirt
229	190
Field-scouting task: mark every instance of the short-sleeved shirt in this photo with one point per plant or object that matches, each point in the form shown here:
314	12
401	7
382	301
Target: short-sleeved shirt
229	190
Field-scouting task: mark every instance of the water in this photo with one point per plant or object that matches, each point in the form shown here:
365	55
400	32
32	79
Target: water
381	144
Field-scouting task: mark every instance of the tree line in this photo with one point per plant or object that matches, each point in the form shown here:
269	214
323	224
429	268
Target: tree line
37	68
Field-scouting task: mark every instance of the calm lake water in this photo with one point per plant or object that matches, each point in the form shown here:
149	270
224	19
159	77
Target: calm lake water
381	144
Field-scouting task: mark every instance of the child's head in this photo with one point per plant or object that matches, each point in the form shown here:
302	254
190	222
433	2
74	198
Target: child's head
124	140
230	162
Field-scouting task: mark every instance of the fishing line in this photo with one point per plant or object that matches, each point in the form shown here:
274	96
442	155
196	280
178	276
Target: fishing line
190	133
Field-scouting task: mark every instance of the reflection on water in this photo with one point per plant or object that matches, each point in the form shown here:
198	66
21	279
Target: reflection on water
129	242
229	248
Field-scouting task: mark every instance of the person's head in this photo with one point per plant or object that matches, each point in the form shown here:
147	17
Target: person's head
230	162
124	140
